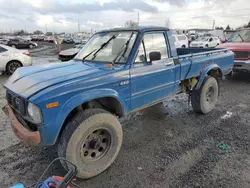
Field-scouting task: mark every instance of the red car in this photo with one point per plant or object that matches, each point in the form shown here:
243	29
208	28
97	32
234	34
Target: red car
239	43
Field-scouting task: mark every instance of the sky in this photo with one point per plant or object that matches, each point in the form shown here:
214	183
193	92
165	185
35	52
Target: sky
64	15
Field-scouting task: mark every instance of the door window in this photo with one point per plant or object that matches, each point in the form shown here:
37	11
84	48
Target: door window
2	49
140	55
155	42
152	42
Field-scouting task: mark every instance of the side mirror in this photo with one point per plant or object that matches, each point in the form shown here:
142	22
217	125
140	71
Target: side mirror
154	56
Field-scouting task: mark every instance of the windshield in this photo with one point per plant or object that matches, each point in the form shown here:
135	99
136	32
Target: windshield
202	39
115	45
240	36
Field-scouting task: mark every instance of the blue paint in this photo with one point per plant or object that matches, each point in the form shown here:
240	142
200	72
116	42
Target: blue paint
133	85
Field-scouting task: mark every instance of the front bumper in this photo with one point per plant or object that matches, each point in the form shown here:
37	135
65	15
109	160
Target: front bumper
24	135
242	66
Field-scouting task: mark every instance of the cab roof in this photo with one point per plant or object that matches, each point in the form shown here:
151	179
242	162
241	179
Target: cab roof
141	29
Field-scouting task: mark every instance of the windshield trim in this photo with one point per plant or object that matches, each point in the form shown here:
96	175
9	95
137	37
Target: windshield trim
132	31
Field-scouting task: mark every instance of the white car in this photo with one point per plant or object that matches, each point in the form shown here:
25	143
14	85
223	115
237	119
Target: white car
206	42
180	41
11	59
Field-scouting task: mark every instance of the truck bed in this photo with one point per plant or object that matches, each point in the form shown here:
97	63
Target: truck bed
189	51
194	60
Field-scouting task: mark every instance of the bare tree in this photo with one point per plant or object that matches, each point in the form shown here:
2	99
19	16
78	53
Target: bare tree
131	23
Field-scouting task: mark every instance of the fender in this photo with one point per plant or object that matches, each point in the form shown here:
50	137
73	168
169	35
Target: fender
204	74
82	98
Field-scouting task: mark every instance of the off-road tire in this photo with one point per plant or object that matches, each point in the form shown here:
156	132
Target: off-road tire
199	100
76	132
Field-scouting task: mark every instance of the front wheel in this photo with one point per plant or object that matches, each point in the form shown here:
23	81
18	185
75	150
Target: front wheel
204	99
31	46
92	141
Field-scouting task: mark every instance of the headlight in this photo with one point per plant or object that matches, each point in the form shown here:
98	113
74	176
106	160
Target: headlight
34	113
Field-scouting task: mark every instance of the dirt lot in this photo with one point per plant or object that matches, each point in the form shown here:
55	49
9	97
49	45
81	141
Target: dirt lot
164	146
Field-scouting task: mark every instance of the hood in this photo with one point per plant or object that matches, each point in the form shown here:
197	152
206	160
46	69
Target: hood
69	52
237	46
27	81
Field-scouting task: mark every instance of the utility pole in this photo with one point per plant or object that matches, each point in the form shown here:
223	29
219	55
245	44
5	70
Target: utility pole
213	24
167	23
45	28
78	26
138	18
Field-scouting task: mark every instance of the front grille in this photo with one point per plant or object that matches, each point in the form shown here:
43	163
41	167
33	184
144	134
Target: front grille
19	107
16	102
242	55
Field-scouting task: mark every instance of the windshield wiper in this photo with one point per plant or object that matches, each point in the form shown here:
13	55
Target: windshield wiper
121	50
102	46
241	37
88	55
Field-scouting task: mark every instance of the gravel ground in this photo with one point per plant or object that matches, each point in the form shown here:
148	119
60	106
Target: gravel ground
167	145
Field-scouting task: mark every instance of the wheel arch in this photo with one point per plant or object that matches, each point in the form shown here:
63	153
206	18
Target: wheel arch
12	61
212	70
109	99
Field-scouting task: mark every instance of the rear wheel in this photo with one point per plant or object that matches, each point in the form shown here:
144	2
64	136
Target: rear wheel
31	46
12	66
183	46
13	46
204	99
206	46
92	141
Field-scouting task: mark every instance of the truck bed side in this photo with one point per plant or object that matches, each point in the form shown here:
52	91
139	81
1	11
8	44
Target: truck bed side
195	61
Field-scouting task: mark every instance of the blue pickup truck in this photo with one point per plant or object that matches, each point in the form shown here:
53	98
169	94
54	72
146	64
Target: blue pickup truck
77	104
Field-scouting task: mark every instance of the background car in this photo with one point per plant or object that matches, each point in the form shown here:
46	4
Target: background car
20	43
206	42
27	38
68	40
50	39
11	59
180	41
3	41
77	40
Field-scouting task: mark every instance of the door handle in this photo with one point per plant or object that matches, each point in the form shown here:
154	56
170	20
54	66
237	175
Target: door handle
169	63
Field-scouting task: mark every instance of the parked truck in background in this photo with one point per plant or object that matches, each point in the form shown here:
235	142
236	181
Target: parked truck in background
76	104
239	43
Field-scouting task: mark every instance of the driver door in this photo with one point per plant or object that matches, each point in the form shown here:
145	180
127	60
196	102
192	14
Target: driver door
151	81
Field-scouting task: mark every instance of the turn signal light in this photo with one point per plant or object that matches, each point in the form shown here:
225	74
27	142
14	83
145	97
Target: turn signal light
52	105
